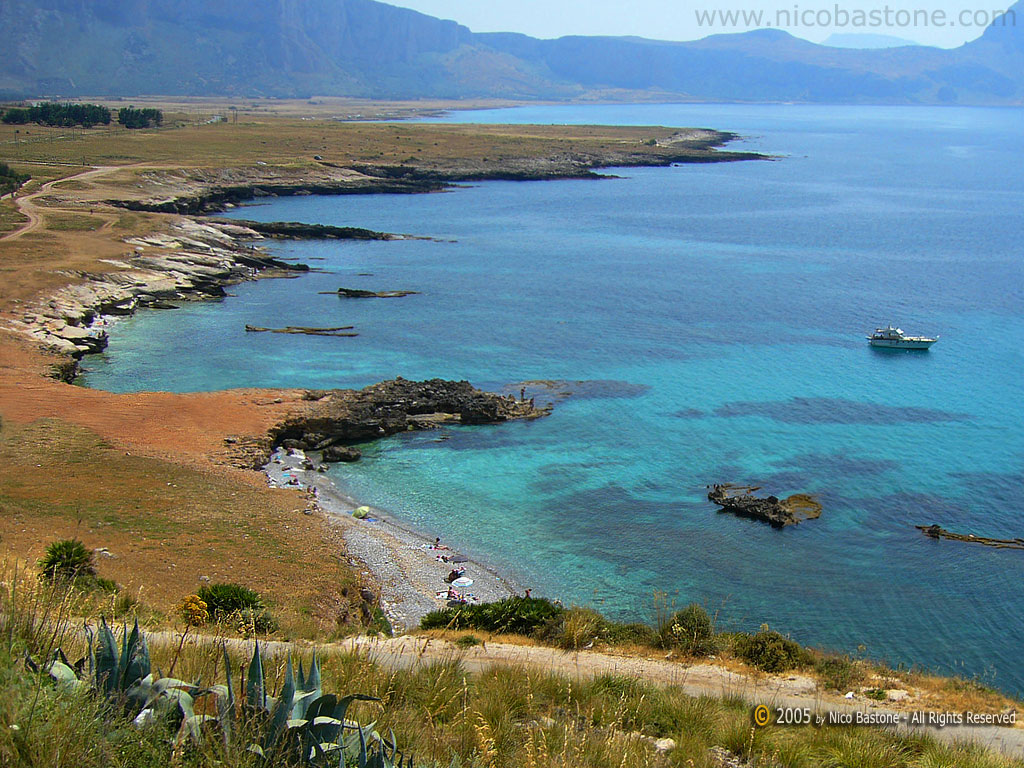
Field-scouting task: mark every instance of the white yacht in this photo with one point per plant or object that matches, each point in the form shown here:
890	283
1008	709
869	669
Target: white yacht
895	338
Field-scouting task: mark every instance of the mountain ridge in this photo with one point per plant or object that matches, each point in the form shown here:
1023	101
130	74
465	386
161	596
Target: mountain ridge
300	48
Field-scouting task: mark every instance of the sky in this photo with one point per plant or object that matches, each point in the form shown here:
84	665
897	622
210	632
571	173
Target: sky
930	22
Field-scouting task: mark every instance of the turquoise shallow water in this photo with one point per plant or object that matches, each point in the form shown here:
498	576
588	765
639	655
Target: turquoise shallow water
716	314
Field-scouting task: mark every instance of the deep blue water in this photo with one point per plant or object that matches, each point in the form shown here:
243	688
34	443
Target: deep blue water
718	313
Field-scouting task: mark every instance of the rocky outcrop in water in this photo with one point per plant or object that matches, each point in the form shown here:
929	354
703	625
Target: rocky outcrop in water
297	230
359	293
778	513
938	532
343	416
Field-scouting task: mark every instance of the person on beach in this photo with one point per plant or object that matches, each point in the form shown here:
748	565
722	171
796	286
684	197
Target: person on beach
527	595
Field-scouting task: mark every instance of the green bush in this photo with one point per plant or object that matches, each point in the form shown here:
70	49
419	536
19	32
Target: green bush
630	634
576	628
690	630
228	602
769	651
67	560
838	672
513	615
225	598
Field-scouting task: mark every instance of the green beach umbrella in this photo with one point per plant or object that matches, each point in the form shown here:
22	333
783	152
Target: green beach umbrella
360	513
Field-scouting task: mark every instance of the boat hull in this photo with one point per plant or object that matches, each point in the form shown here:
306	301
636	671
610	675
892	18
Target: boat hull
902	343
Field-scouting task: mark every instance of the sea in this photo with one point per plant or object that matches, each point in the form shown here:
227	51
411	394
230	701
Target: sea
695	324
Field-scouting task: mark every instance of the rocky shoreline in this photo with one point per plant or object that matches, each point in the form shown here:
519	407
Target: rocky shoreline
199	191
193	261
333	422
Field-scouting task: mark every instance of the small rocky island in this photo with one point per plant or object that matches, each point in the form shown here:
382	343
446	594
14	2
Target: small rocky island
778	513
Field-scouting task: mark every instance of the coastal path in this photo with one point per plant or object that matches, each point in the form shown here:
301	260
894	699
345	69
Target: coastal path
784	690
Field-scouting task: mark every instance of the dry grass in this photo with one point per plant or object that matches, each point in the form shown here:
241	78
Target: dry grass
166	525
281	140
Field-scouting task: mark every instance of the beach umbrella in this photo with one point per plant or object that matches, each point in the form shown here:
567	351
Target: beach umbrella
361	513
463	581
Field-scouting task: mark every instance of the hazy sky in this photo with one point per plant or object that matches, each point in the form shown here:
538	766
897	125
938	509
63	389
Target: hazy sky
946	24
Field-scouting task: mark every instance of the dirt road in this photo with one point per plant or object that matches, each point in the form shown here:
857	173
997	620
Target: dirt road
786	690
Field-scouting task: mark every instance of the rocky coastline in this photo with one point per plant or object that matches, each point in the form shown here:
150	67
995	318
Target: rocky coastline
197	191
192	261
333	421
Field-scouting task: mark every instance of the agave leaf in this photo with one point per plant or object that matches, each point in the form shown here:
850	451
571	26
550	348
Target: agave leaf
392	744
192	727
313	683
361	757
282	712
301	702
343	704
90	649
140	691
63	674
59	656
122	662
255	689
322	706
302	678
137	665
326	729
106	658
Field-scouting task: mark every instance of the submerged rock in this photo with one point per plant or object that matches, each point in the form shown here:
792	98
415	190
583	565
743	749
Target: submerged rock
358	293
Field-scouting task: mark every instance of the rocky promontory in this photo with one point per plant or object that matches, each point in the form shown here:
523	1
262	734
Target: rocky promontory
339	417
206	190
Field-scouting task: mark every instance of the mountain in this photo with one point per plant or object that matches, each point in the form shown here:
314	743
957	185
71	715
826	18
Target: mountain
366	48
865	41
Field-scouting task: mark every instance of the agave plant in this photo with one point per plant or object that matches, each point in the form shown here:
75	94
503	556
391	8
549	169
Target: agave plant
304	726
299	726
124	675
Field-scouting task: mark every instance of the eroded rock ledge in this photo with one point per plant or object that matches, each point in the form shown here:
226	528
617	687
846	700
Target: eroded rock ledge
340	417
194	260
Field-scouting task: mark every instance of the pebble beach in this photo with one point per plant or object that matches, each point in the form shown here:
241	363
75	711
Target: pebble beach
407	566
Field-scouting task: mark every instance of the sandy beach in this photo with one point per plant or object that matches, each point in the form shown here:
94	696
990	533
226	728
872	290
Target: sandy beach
408	568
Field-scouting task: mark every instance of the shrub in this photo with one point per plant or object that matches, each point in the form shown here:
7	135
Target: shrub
690	630
838	672
238	605
769	651
67	560
468	641
576	628
630	634
225	598
513	615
